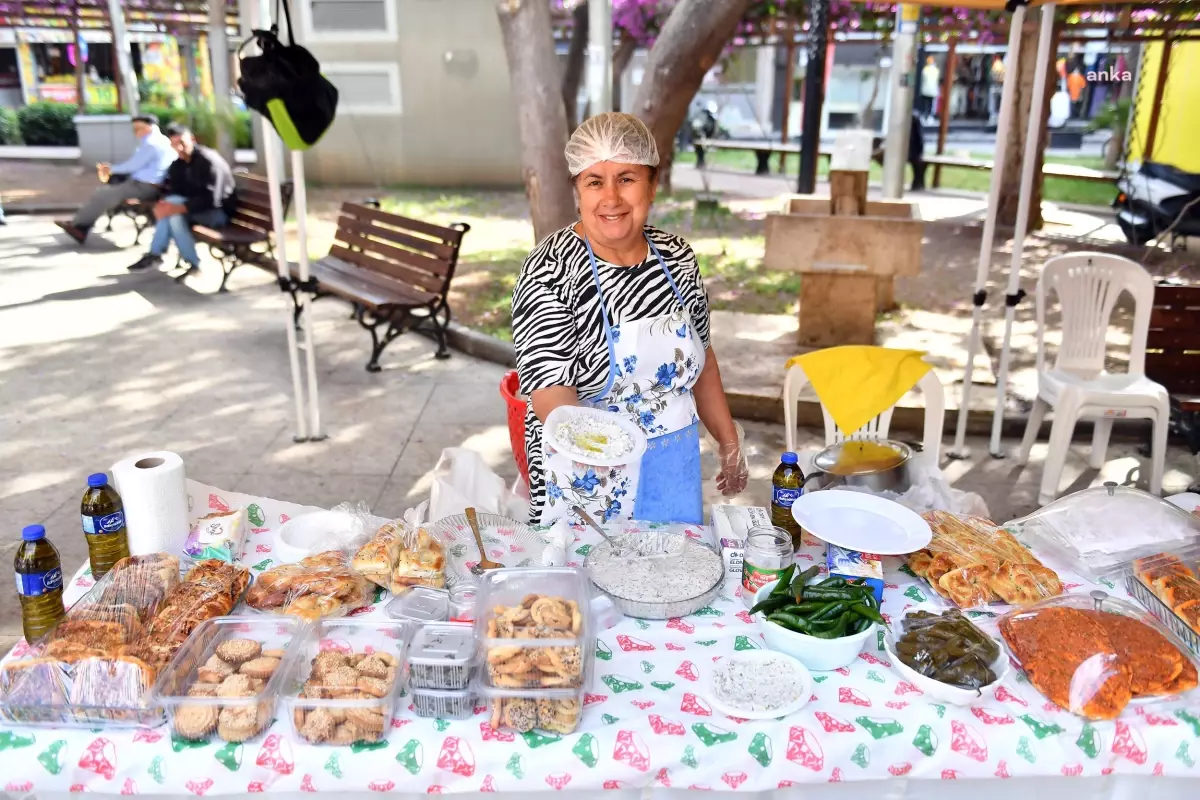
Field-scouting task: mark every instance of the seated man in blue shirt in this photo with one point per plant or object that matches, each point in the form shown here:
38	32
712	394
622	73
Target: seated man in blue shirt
138	177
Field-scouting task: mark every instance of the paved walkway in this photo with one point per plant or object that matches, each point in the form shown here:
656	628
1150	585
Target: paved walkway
97	363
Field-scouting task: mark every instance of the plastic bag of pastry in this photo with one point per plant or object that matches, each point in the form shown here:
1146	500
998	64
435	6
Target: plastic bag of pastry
1093	654
973	564
218	535
322	585
1100	532
211	589
403	553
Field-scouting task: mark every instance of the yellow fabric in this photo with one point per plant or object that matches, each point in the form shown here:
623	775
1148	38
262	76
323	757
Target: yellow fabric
857	383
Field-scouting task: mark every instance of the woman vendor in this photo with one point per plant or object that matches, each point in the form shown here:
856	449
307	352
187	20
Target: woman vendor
612	313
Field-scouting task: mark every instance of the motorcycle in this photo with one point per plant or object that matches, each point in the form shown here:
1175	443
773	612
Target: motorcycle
1155	198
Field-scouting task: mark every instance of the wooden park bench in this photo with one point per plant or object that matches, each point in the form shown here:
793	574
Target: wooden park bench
395	271
762	149
139	212
248	236
1048	170
1173	355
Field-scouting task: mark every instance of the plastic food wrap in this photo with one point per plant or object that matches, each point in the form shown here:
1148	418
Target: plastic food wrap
322	585
86	672
1093	654
1100	532
972	563
947	648
1170	590
219	535
402	554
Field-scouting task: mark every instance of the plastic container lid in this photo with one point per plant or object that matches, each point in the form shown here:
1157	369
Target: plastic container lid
442	644
789	458
31	533
421	604
97	480
1100	532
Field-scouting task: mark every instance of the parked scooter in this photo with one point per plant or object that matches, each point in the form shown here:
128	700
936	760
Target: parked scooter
1153	198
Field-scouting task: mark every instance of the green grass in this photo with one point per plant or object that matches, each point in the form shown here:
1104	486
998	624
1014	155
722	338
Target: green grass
1056	190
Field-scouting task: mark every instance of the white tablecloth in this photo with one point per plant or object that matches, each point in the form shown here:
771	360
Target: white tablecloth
647	727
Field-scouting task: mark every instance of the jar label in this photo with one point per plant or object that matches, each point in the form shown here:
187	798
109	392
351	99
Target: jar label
32	584
784	497
754	578
109	523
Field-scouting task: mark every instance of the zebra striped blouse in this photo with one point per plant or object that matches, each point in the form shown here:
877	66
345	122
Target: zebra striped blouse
559	333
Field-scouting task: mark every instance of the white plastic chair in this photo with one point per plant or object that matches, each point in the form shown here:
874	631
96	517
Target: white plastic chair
1077	386
935	403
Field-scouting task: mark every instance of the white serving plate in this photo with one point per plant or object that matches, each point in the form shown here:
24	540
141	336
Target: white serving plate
944	692
806	684
564	414
863	522
819	655
307	534
506	541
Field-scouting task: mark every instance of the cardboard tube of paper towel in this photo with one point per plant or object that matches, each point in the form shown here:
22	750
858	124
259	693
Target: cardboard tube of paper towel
153	488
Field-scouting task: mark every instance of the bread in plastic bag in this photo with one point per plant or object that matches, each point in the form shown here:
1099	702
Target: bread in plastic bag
1093	654
321	585
972	563
403	553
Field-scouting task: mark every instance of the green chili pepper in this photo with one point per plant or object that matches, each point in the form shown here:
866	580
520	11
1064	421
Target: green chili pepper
806	608
804	577
769	604
823	593
867	612
789	621
831	610
785	580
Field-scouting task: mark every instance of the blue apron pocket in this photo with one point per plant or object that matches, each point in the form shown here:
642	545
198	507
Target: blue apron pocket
669	487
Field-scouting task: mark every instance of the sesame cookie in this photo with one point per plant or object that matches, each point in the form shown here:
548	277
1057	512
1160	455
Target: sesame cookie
195	721
237	651
262	667
236	686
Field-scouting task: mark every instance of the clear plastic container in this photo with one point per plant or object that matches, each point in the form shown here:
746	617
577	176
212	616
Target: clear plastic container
1169	588
535	629
342	686
442	704
1094	655
1100	532
420	604
441	657
225	680
554	710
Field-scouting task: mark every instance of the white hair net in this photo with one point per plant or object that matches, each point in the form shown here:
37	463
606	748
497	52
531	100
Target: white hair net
622	138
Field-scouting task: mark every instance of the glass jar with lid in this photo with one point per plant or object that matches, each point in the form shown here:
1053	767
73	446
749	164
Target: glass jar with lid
769	551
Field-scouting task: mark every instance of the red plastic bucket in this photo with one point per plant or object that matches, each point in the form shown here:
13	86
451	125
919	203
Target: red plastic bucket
509	389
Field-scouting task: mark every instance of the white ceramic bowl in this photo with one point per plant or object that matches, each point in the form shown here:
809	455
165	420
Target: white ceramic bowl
944	692
307	534
820	655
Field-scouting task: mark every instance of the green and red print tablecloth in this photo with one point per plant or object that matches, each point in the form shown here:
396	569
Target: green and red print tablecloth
646	724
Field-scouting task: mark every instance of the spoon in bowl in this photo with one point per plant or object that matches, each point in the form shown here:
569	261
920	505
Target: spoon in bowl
485	563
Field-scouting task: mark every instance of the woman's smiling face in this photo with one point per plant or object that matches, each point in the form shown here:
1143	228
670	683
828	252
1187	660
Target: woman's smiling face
614	201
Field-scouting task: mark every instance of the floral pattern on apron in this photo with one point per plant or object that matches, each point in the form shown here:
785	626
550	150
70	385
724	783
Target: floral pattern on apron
653	365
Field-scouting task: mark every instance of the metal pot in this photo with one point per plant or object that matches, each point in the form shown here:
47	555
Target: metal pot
837	465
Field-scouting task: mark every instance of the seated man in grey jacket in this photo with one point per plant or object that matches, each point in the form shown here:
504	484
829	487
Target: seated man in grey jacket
136	178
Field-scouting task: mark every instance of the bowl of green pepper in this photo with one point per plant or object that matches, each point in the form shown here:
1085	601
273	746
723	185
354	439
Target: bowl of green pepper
822	623
946	656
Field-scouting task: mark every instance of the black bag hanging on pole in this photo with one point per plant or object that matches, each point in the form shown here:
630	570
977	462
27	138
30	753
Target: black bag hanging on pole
284	84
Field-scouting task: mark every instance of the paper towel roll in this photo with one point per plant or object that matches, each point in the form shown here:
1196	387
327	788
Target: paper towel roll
153	488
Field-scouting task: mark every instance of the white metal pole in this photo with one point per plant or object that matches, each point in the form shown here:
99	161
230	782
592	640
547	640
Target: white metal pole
600	56
1029	163
300	198
260	18
1007	98
900	99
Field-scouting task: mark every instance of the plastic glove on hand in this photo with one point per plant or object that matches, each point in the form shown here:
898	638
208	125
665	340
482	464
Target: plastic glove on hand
734	474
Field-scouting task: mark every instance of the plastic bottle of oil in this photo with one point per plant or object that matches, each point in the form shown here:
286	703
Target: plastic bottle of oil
39	583
103	516
787	484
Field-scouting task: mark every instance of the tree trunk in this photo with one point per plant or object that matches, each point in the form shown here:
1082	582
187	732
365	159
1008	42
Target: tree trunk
576	58
690	43
1015	150
866	116
541	117
621	58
